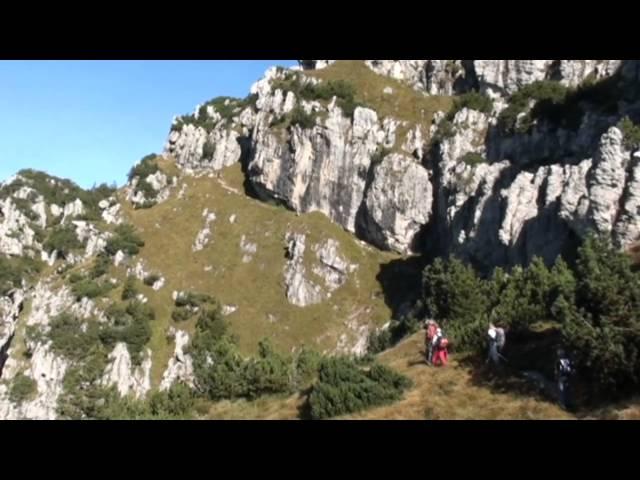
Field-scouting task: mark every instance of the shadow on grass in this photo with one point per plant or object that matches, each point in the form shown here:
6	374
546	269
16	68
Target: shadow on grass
528	370
401	282
304	409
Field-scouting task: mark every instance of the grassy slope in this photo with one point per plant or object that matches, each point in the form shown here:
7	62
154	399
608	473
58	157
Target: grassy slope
452	392
438	393
257	288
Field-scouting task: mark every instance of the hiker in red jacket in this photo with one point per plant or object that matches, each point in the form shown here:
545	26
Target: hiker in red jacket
440	343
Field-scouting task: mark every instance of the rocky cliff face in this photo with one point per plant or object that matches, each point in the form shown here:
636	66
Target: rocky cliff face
495	77
499	214
44	367
398	202
325	168
39	215
501	210
321	169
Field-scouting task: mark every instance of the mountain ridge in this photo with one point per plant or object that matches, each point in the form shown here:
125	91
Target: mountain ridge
308	209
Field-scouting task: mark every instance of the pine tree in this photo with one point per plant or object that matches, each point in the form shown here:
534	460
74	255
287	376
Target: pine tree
602	329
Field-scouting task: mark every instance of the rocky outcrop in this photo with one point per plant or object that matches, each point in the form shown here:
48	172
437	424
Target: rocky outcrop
328	167
204	235
323	169
188	147
150	190
111	211
229	309
119	257
10	308
355	338
314	64
329	267
89	235
398	203
124	376
504	77
488	196
180	368
158	284
219	145
72	210
607	181
248	249
497	78
497	213
412	72
574	72
320	169
627	229
300	290
45	367
16	234
48	371
332	267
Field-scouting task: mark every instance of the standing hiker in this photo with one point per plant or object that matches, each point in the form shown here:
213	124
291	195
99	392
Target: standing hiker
440	353
497	340
432	328
563	370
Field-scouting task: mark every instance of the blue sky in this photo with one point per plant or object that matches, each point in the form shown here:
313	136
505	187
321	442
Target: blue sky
90	121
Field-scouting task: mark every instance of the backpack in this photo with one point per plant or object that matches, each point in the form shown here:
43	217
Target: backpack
500	338
440	340
564	367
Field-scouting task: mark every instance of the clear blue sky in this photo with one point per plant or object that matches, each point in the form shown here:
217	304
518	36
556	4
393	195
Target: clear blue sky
90	121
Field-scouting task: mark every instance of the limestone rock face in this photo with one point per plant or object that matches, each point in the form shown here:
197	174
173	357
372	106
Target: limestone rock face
94	239
16	234
213	143
300	290
180	366
10	308
496	77
474	191
45	367
329	267
124	376
496	213
111	211
73	209
144	192
204	235
321	169
398	203
332	267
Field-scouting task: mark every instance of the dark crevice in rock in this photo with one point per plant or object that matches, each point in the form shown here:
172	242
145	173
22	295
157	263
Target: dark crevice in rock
626	192
4	349
401	283
554	72
4	353
364	224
